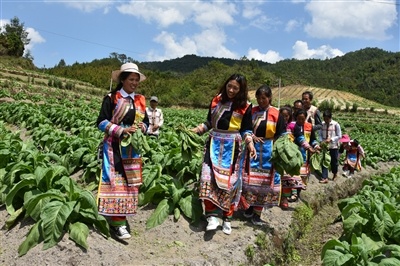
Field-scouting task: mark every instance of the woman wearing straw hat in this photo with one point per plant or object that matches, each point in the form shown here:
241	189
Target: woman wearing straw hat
122	113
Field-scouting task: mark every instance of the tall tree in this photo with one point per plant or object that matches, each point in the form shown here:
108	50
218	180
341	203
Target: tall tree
61	63
13	38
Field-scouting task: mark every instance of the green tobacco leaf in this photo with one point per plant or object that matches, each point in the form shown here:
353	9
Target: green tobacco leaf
396	232
16	188
191	207
78	154
13	218
150	174
4	157
315	161
357	246
177	214
343	247
34	205
43	177
54	217
371	244
32	239
186	155
125	141
351	207
389	262
335	258
65	183
102	225
79	232
177	194
87	200
326	160
164	208
352	221
149	194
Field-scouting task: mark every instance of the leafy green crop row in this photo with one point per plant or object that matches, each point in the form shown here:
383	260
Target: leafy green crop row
371	223
33	186
62	133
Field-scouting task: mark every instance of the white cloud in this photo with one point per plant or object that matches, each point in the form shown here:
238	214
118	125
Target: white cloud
354	19
256	14
165	14
3	22
209	42
162	13
251	10
301	51
172	48
292	25
86	6
270	57
35	38
209	15
203	20
264	23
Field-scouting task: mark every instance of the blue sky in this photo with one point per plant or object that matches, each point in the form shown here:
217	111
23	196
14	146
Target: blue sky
81	31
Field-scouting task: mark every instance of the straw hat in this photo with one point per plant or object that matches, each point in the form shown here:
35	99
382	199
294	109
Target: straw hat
127	67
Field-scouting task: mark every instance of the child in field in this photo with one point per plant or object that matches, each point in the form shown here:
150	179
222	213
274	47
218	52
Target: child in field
353	153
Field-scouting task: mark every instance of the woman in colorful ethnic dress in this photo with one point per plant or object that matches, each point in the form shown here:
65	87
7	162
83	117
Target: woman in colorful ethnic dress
261	184
122	113
229	122
303	135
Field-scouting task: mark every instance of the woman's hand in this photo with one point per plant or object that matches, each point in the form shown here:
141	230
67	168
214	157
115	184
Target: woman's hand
252	150
258	139
130	130
328	140
142	127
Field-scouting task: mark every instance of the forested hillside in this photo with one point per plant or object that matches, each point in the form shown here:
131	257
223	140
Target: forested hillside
371	73
191	80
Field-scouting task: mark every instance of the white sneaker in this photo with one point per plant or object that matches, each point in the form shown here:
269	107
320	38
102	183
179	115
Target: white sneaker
226	228
350	176
121	232
346	173
213	223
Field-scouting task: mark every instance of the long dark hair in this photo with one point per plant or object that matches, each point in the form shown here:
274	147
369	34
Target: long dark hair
266	90
122	76
241	97
289	110
300	112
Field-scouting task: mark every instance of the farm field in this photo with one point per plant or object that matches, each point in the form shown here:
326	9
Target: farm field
48	134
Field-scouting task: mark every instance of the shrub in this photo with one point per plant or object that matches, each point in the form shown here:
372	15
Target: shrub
354	107
326	105
347	106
